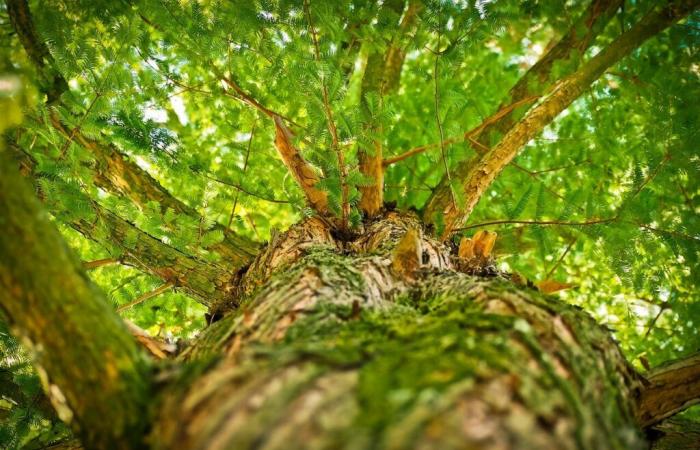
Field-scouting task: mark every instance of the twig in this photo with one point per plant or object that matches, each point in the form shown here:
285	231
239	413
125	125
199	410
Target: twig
663	307
536	177
89	265
146	296
554	169
76	129
245	166
437	115
473	133
246	191
539	222
342	168
561	258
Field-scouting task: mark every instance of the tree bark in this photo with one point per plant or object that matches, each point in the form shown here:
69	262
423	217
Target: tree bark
89	364
670	388
380	342
335	348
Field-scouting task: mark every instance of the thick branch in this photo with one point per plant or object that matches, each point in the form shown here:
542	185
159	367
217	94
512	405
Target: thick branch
671	388
382	74
54	84
207	282
303	173
482	174
536	82
117	174
114	171
566	54
89	372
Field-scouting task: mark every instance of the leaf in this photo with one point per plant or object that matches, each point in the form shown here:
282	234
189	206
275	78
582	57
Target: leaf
211	238
522	203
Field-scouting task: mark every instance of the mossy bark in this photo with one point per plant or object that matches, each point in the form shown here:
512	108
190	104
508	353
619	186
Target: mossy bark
334	348
91	369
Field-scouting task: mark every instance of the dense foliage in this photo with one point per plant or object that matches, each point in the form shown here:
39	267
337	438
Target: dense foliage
605	199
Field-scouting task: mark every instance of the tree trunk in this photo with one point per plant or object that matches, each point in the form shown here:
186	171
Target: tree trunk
334	345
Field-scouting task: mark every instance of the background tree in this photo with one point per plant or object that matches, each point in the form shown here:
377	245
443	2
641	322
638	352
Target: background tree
171	141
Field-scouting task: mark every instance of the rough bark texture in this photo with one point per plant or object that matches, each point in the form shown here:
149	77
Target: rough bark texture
670	388
90	367
381	338
676	434
337	349
444	213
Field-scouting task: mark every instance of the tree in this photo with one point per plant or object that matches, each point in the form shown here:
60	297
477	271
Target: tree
169	139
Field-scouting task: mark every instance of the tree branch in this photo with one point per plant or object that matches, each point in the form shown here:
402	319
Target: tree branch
670	389
381	76
114	172
303	173
157	348
482	174
567	54
535	83
52	82
148	295
89	265
470	135
539	222
330	122
206	282
89	372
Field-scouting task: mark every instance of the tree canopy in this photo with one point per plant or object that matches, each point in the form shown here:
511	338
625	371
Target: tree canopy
186	134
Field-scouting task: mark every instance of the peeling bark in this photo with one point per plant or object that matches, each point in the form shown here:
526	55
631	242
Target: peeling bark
305	175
